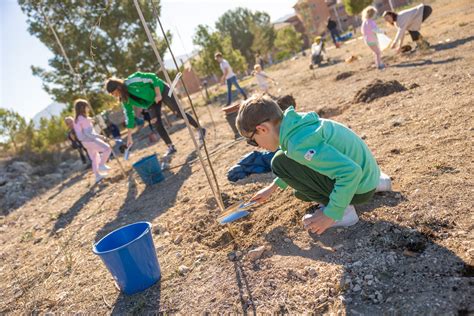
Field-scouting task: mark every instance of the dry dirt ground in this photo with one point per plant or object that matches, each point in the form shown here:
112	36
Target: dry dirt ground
411	253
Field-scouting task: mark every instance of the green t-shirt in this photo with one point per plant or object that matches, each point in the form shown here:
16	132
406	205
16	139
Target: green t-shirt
141	89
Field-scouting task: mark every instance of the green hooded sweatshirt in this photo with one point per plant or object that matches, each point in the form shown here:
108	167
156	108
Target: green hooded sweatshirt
141	87
333	150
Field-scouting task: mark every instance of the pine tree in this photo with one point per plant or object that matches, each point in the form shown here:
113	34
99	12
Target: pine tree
101	39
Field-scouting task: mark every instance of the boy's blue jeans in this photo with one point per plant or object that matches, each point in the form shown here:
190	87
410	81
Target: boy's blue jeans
233	81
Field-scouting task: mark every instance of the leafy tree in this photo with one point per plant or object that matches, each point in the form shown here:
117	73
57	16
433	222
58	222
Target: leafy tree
52	131
264	38
289	40
210	43
101	39
354	7
11	124
249	31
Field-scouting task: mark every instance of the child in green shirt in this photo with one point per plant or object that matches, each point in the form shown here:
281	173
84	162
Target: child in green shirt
147	91
324	161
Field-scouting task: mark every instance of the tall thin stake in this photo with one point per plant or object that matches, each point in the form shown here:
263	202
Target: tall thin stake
217	194
189	98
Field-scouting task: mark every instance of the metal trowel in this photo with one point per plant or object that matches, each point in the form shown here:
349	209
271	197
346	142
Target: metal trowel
235	212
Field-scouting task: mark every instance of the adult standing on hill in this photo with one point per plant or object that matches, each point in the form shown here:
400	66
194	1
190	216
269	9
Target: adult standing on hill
409	20
229	77
332	27
147	91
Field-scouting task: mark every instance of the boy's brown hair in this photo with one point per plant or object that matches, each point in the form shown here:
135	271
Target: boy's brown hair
286	101
255	111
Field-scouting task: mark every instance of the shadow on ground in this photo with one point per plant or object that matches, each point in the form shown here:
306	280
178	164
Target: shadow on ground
424	62
152	202
148	300
387	263
65	219
453	44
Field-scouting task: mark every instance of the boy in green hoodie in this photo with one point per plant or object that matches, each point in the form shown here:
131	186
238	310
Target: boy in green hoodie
324	161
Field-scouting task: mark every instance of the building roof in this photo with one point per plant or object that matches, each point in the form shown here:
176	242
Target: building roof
285	18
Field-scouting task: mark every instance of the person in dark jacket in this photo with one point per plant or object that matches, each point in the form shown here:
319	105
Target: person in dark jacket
332	27
112	130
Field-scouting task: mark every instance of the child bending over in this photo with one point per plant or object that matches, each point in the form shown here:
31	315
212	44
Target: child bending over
322	160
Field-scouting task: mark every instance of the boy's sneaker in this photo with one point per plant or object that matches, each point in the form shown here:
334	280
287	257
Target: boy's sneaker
201	136
350	218
171	150
385	183
104	168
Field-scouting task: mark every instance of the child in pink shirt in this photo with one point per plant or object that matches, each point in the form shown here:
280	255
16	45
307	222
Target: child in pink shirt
98	150
369	30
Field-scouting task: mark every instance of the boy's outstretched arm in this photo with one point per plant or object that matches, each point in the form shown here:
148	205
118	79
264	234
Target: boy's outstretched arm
264	193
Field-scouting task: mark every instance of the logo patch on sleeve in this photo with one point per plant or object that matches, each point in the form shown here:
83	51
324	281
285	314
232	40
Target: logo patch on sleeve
309	154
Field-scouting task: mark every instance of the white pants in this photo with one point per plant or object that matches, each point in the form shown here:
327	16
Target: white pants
99	152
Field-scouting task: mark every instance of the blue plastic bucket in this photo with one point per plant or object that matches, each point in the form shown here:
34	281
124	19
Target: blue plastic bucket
129	254
149	170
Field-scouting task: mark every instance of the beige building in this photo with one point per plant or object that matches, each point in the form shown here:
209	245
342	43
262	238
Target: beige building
313	14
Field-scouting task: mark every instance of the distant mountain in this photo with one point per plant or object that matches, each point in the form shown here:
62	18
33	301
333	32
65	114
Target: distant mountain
54	109
180	59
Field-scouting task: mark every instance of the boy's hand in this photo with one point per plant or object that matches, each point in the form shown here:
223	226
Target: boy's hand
319	223
263	194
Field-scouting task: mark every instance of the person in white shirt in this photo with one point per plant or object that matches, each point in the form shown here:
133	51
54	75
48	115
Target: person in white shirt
408	20
318	52
229	77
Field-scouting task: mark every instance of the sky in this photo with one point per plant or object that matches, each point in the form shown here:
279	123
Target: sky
23	92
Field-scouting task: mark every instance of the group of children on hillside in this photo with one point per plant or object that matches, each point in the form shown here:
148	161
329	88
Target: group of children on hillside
140	90
322	160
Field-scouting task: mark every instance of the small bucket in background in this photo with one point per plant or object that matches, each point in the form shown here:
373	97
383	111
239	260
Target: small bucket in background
148	168
130	256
